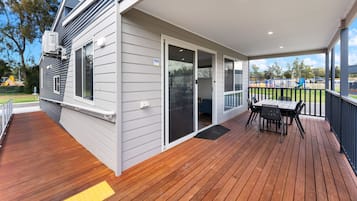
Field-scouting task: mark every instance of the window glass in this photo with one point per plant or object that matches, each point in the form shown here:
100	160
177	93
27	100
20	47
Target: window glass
228	74
78	72
238	75
233	81
84	72
88	72
56	84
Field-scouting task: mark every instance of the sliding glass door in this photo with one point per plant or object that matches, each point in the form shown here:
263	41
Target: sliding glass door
188	90
181	87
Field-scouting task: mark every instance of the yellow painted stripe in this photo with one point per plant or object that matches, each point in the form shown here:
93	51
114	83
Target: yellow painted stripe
97	192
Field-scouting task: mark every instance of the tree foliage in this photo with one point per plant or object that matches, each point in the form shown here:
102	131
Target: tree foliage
23	22
5	69
295	70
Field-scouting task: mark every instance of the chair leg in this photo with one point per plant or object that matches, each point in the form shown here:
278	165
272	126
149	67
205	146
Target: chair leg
299	126
302	128
250	116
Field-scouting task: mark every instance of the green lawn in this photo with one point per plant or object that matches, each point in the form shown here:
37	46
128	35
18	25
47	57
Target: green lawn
18	98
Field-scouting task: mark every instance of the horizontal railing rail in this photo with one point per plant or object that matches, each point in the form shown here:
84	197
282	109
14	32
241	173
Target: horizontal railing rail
341	113
313	98
5	115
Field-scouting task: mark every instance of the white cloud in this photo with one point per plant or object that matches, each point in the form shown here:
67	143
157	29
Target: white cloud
262	63
310	62
352	37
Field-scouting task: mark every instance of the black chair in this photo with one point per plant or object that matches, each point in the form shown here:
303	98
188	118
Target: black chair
285	98
295	115
272	113
253	112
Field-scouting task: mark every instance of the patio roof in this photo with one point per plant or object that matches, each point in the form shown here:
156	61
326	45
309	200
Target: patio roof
244	25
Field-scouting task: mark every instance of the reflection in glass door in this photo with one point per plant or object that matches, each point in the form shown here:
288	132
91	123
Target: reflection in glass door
205	88
181	88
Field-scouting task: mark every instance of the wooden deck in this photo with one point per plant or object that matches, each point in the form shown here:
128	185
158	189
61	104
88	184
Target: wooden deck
40	161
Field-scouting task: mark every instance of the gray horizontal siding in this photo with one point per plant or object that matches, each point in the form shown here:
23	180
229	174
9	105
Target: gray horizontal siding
141	80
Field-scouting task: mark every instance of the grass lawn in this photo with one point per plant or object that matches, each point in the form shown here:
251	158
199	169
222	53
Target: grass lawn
18	98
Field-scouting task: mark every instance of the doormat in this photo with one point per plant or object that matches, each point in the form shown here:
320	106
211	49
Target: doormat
100	191
213	133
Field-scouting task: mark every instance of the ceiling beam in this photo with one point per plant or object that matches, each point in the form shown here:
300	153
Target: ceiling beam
288	54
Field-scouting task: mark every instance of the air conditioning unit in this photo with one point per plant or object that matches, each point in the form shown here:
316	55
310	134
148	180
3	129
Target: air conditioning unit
50	43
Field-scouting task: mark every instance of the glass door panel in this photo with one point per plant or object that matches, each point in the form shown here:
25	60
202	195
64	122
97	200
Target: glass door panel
205	89
181	87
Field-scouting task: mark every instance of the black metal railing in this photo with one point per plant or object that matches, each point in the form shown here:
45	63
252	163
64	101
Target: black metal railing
341	113
314	98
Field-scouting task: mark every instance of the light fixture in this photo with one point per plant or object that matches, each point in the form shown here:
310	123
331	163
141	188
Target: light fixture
182	59
181	50
281	47
101	42
270	33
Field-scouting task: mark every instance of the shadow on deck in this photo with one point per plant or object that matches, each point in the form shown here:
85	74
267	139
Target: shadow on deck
41	161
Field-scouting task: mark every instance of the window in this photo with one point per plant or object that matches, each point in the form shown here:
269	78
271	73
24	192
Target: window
233	83
84	72
41	77
56	84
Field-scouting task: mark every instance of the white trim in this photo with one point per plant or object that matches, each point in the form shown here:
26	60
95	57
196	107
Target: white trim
58	15
77	10
165	41
54	84
126	5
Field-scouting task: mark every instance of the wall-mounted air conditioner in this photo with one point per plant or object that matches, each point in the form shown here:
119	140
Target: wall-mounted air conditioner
50	45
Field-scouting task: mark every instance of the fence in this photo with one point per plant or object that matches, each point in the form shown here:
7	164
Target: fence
313	98
341	113
5	116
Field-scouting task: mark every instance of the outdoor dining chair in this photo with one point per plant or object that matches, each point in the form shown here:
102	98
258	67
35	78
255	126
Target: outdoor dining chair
295	115
272	113
253	112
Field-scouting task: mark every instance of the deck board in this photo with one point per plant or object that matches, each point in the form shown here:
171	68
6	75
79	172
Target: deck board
41	161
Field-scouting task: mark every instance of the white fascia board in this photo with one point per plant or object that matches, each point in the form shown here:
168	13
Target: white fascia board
78	10
58	15
126	5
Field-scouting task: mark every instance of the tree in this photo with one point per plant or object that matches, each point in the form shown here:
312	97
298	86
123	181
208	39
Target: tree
23	22
288	73
5	69
276	70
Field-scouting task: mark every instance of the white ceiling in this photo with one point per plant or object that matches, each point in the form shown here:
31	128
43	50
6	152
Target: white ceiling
242	25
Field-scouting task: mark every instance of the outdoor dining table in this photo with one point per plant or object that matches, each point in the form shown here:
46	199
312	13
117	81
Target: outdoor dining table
286	107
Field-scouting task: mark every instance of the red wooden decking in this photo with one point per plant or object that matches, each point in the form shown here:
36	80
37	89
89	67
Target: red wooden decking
40	161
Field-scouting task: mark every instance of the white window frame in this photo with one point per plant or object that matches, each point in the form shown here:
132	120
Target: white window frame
55	84
234	91
80	98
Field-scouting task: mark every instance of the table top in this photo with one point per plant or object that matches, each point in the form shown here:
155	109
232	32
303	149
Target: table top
284	105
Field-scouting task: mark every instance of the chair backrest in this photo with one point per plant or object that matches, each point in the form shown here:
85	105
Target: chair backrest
284	98
254	99
300	108
270	112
